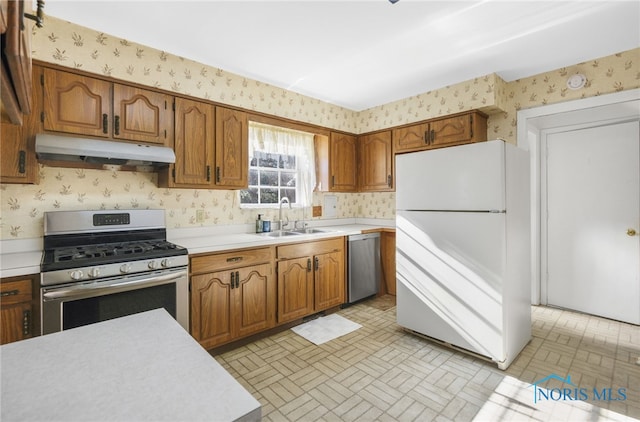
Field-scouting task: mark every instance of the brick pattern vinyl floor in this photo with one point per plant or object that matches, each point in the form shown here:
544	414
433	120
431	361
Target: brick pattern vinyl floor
381	373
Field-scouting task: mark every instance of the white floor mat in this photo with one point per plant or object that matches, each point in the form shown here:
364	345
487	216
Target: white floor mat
323	329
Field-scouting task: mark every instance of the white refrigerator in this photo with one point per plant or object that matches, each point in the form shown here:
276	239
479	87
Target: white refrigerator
463	247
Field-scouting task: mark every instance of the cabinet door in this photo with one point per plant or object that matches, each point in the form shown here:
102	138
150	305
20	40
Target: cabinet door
453	130
232	148
329	280
342	162
295	289
376	162
254	299
76	104
211	304
16	311
16	46
141	115
410	138
194	143
17	163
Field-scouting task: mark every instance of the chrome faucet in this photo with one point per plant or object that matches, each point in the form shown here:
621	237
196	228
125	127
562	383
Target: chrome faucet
282	223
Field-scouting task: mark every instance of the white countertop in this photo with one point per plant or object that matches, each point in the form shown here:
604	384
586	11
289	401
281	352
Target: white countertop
22	257
143	367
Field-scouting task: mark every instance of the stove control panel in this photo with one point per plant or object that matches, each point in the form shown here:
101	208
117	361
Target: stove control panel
49	278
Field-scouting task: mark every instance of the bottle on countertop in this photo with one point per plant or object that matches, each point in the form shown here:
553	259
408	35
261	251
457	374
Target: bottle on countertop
266	226
259	224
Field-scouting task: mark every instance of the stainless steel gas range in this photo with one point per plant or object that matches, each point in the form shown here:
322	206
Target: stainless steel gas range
99	265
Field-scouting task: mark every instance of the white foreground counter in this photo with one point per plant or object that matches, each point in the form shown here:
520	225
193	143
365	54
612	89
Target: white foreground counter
143	367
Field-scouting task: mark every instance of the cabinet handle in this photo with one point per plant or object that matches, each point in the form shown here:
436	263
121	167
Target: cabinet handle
26	323
234	259
22	162
425	138
317	263
10	293
333	181
433	136
38	17
471	123
308	265
105	123
217	174
208	173
233	279
116	125
389	180
237	279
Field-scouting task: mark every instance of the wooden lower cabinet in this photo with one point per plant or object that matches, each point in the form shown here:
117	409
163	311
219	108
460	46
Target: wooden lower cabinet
232	303
235	294
16	309
311	278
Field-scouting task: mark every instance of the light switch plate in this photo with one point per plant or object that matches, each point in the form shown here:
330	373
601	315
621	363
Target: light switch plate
330	206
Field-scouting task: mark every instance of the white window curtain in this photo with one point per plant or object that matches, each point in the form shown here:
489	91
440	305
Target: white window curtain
279	140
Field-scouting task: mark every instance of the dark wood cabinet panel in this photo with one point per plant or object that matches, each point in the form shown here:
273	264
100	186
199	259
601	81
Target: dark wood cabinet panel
232	148
343	156
375	162
141	115
76	104
194	143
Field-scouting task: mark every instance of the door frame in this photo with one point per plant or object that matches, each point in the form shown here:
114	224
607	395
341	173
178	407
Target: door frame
532	127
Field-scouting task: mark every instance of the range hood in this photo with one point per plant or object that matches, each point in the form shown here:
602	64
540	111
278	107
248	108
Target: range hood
94	151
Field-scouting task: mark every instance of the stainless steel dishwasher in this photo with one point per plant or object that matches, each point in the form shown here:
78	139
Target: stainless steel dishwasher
365	270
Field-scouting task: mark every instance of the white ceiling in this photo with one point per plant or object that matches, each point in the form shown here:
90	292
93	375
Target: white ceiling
363	53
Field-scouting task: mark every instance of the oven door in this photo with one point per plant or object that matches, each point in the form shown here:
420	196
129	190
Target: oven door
74	305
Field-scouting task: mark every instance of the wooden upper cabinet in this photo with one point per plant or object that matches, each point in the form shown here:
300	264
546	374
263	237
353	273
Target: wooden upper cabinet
455	130
232	148
86	106
376	158
343	152
16	62
76	104
18	162
194	143
141	115
458	129
410	137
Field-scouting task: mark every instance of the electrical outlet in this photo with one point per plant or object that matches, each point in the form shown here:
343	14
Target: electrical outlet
199	216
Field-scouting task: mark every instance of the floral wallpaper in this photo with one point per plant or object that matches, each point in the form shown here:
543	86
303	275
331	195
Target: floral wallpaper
67	44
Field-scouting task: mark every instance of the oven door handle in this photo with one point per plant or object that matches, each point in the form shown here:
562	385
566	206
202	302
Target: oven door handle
104	288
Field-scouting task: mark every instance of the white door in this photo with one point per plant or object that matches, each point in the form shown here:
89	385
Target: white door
593	199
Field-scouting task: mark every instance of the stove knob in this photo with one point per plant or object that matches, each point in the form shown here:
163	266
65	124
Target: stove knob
167	262
125	268
76	275
94	272
153	265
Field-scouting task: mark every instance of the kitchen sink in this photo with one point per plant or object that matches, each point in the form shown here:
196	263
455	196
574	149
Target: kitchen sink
309	230
296	232
280	233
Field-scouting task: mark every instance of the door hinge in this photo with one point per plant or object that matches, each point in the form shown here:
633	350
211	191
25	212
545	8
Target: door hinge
26	323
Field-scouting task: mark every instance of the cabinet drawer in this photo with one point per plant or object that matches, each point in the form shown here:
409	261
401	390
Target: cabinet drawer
310	248
223	261
13	292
